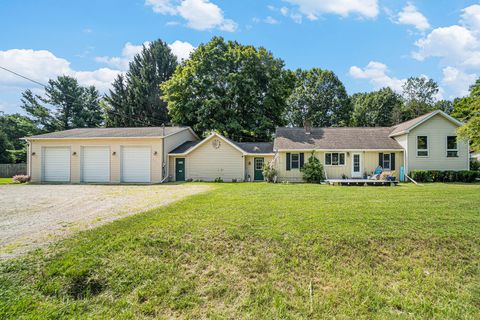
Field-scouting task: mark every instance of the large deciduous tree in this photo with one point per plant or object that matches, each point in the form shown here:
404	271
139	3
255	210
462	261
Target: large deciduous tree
420	96
375	109
467	109
235	89
15	127
135	99
319	97
65	105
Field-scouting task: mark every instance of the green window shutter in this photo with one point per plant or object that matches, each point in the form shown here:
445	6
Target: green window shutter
288	161
392	161
380	159
302	160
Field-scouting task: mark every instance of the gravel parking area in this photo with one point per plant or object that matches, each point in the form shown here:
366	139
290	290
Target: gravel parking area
35	215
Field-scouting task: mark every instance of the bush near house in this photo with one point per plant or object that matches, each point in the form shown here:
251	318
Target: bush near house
312	171
474	165
444	176
269	172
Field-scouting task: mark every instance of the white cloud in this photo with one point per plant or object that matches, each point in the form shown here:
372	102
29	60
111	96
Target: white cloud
376	73
411	16
199	14
312	9
181	49
458	81
471	18
296	17
270	20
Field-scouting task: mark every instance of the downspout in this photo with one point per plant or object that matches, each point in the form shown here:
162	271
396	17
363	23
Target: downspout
29	159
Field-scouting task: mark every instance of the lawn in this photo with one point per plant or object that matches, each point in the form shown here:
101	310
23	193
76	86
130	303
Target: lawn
266	251
5	181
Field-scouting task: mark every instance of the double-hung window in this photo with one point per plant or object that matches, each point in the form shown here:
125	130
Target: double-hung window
452	148
295	161
387	161
422	146
335	159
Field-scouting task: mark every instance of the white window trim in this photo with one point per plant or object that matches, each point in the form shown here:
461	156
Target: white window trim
335	165
291	161
428	146
389	161
446	147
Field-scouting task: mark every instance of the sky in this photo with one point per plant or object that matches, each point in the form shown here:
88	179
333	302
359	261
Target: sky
369	44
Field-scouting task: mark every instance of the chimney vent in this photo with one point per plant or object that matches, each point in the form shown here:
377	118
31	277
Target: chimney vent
308	126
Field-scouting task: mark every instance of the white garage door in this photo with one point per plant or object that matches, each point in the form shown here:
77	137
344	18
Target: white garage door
135	164
56	164
95	164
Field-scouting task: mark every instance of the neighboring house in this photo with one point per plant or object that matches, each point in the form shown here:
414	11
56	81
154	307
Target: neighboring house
154	155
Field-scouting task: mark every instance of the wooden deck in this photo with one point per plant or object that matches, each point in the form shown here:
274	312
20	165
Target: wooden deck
360	182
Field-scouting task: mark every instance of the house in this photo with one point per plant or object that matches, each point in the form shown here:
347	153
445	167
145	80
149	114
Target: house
155	155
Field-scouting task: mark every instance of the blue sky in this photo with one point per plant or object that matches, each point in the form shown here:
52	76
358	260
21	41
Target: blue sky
367	43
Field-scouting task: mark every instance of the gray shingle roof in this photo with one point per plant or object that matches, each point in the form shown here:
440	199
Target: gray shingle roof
256	147
110	133
410	123
184	147
248	147
335	138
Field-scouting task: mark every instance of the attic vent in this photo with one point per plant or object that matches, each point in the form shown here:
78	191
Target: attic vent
256	148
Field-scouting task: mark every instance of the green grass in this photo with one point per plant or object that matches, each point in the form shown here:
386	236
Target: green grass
266	251
5	180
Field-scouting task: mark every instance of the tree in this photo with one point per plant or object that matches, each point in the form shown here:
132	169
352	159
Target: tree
15	127
68	105
136	98
312	170
5	148
320	97
444	105
235	89
420	95
375	109
468	110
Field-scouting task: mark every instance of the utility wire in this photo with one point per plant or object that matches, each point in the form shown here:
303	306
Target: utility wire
45	86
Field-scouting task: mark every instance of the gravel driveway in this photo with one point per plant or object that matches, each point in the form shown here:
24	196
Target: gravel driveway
34	215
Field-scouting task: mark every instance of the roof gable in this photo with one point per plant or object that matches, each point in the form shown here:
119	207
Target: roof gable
407	126
190	146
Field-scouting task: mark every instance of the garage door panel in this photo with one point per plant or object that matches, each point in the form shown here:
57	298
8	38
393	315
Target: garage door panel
56	164
136	163
96	164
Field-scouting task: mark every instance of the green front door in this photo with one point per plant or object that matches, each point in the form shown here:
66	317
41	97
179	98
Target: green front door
180	169
258	169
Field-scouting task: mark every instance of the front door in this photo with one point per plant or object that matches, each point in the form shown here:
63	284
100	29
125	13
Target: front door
258	169
356	165
180	169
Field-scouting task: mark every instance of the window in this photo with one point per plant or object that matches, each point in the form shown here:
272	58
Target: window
334	159
295	161
422	146
258	164
387	161
452	150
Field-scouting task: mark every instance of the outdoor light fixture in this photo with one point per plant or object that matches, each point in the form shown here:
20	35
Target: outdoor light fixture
33	153
114	153
74	153
155	153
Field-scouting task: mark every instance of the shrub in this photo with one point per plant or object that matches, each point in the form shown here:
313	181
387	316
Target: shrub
219	179
313	170
444	176
474	165
21	178
269	172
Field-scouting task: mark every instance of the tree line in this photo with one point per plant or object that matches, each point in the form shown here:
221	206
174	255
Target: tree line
241	91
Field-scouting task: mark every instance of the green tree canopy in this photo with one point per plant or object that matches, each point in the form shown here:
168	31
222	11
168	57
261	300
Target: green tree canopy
65	105
236	89
320	97
467	109
135	99
15	127
420	97
375	109
5	148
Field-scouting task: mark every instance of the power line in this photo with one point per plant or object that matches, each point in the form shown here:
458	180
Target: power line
45	86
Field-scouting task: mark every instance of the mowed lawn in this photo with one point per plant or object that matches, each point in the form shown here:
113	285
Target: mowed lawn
266	251
5	181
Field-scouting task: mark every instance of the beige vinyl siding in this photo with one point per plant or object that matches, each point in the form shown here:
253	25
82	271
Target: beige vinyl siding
369	164
115	145
207	163
249	165
173	141
436	129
